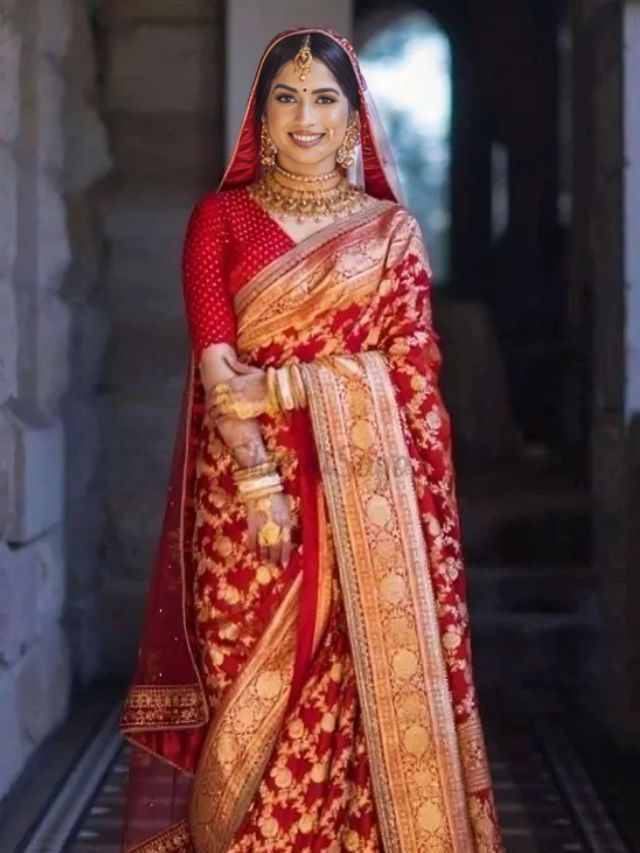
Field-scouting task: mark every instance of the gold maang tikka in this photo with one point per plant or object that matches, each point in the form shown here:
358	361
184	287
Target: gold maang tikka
302	59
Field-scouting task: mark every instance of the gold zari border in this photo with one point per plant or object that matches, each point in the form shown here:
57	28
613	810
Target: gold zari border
389	603
153	706
242	736
173	840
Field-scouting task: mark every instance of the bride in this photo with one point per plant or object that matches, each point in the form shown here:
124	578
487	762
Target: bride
304	677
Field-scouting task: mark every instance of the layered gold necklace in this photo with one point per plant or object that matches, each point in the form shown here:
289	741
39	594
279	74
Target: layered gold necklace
284	192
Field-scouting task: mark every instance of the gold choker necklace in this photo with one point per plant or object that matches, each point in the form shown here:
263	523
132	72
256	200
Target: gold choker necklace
304	203
306	179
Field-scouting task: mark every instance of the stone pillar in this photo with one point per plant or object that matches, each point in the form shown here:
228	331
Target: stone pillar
163	101
86	160
36	37
602	182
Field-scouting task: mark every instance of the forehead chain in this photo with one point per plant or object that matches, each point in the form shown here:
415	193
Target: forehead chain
302	59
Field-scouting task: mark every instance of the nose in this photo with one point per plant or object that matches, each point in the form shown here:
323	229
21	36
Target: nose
305	114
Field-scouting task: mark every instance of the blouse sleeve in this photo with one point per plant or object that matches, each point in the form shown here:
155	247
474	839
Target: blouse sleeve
209	309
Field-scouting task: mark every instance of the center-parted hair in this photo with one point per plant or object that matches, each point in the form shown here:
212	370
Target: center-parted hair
323	48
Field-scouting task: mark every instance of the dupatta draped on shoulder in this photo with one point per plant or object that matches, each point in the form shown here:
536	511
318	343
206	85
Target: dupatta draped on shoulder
252	758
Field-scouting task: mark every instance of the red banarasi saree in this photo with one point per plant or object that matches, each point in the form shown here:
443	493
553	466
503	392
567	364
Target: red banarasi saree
330	705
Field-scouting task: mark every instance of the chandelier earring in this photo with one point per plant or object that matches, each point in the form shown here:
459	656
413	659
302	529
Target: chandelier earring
268	149
346	154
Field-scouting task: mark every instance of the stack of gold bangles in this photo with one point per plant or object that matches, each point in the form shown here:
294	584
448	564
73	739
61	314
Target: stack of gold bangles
285	388
285	391
256	485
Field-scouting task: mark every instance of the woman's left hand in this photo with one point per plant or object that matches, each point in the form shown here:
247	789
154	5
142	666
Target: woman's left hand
243	396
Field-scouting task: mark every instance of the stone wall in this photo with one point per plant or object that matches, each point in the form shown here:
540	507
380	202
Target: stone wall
51	151
162	100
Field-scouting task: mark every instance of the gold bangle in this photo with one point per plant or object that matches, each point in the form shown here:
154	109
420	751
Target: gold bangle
297	385
254	470
245	487
254	498
284	387
273	405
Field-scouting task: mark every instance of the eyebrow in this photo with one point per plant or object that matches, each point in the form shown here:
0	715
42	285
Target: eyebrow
314	92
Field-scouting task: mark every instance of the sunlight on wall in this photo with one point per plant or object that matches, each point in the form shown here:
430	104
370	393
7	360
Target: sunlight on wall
408	68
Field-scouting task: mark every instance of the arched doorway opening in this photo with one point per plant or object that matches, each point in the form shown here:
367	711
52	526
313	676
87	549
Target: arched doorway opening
407	64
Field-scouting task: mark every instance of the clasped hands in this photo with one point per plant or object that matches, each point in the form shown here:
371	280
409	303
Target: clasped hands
256	392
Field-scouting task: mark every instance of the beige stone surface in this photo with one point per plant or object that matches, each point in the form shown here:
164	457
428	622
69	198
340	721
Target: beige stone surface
13	749
8	210
7	453
38	477
8	341
10	45
118	12
53	26
162	69
43	678
18	583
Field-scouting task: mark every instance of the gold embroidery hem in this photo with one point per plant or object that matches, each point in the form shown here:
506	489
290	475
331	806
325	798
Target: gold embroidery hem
155	706
176	839
242	735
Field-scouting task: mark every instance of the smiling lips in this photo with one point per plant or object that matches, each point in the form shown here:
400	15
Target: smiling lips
306	140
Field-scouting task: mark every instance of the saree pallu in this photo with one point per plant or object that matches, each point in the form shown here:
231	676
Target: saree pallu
332	701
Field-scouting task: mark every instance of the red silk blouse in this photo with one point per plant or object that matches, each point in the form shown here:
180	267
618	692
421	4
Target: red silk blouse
229	239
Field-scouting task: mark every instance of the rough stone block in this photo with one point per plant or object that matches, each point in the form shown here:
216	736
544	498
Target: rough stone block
53	328
7	455
10	82
50	144
89	337
163	69
115	12
52	236
8	211
39	478
13	751
85	630
48	556
18	580
8	341
43	679
139	275
82	419
54	18
154	145
85	524
87	149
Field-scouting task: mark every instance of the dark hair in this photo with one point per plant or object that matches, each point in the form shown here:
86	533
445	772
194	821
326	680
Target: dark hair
323	48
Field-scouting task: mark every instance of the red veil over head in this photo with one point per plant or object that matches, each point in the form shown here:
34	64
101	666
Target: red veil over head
166	714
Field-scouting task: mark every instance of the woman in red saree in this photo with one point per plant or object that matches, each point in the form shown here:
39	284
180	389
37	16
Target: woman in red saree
316	696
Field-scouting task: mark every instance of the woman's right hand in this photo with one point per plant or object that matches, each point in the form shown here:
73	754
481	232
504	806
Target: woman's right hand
280	512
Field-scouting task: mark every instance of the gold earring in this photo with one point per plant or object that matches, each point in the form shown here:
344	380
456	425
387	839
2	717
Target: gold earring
268	150
346	155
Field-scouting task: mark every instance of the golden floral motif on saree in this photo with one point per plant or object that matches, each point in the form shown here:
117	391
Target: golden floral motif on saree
241	737
388	481
173	840
390	608
153	706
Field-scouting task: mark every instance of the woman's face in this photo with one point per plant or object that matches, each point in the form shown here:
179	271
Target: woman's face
307	119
